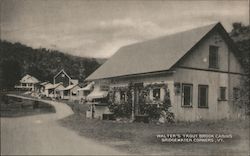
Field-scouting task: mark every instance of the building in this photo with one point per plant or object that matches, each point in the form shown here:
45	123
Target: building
82	93
197	68
98	102
64	78
70	92
27	83
53	90
41	88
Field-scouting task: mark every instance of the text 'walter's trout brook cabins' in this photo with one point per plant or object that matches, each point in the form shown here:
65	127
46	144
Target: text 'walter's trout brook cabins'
198	67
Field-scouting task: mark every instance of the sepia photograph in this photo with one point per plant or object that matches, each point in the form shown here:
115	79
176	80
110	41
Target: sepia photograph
125	77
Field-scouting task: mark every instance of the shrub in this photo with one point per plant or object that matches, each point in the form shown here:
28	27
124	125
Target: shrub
35	104
5	99
121	110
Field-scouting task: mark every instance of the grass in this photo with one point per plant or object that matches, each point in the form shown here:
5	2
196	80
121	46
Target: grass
16	107
140	138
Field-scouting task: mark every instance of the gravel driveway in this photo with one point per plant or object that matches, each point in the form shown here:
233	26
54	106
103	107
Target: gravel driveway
42	135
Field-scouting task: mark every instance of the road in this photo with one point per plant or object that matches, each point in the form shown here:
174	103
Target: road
42	135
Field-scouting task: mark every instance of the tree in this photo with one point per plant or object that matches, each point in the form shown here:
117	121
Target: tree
241	36
11	73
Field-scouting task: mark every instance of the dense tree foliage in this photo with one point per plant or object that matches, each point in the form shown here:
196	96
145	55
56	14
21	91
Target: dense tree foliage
10	73
17	59
241	36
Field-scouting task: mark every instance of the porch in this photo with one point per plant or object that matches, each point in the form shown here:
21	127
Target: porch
140	101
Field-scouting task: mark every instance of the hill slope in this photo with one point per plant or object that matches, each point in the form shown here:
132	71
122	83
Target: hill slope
17	59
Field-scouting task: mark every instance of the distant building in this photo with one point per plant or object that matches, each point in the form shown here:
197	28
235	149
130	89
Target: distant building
82	93
69	92
53	90
40	87
196	69
64	78
27	83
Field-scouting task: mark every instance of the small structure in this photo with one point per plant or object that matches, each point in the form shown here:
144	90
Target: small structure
27	83
53	90
69	92
82	93
98	103
40	87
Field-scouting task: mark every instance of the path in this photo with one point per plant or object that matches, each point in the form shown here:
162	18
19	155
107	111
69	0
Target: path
42	135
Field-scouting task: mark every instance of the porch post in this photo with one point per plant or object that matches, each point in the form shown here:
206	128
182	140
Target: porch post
173	107
133	104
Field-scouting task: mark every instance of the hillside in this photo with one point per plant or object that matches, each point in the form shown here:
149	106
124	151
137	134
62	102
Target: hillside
17	59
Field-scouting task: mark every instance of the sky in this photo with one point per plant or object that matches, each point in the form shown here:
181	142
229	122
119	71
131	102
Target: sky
98	28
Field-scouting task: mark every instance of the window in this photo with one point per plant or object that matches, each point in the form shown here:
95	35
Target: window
156	94
187	94
203	96
122	96
74	93
222	93
236	93
213	57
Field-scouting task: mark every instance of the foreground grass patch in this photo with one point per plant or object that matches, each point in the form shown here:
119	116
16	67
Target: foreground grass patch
140	138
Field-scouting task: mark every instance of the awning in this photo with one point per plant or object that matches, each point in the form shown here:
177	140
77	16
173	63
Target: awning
88	87
97	94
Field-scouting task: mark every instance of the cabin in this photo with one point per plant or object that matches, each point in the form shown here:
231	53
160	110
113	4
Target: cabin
196	69
69	92
97	101
82	93
64	78
27	83
53	90
40	87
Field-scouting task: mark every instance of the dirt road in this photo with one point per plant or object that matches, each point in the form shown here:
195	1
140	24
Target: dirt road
42	135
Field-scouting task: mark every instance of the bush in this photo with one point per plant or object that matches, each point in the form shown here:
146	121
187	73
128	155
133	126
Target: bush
35	104
151	110
121	110
5	99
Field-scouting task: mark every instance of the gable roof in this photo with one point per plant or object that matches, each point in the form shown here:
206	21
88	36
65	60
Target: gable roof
88	87
61	72
74	81
44	83
52	86
159	54
70	87
29	79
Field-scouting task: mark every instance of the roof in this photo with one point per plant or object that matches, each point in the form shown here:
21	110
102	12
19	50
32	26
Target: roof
63	72
29	79
70	87
154	55
44	83
88	87
97	94
74	81
52	86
